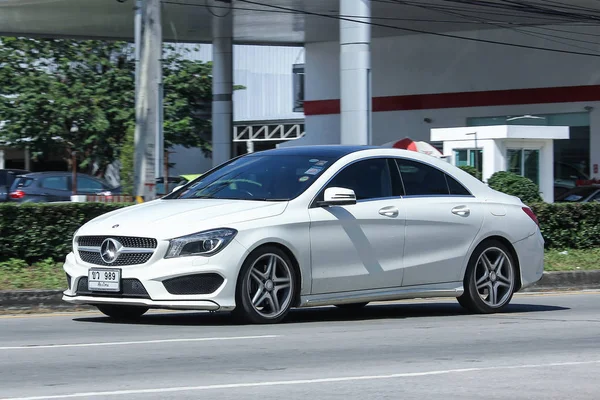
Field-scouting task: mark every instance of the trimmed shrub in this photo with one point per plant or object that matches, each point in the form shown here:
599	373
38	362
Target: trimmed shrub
472	171
569	225
36	232
515	185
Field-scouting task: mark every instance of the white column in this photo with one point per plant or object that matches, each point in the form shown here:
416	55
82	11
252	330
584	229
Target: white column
2	160
594	143
250	146
355	72
147	129
222	85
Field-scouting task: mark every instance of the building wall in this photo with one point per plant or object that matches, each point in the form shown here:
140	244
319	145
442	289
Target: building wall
266	74
425	65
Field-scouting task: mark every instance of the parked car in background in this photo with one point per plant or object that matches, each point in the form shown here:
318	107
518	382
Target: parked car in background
565	178
581	194
7	177
46	187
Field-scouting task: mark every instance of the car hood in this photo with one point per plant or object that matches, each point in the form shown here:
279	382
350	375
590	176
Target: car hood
166	219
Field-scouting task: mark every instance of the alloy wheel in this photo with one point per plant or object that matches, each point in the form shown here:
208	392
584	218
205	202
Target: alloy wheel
494	277
269	285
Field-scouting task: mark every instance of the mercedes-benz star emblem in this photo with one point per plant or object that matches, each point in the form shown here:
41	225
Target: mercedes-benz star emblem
110	250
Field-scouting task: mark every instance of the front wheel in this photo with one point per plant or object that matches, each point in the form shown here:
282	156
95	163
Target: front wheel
122	312
490	279
266	287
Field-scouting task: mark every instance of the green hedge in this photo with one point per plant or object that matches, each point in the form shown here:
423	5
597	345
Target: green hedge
38	232
34	232
569	225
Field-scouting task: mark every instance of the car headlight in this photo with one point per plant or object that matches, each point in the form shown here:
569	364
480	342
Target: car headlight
201	243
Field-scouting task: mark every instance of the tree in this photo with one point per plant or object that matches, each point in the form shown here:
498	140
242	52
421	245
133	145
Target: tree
66	95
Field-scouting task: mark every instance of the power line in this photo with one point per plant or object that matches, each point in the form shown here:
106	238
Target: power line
446	35
545	36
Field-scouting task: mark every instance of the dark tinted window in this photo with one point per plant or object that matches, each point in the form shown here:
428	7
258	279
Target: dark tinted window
88	184
22	182
455	187
56	183
577	195
397	186
422	180
370	179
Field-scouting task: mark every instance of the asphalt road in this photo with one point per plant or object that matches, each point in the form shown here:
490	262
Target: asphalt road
543	347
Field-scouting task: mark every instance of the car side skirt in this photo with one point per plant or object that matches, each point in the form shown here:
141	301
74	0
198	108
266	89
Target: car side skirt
450	289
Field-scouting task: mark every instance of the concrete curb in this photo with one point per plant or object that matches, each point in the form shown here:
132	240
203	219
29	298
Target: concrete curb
22	300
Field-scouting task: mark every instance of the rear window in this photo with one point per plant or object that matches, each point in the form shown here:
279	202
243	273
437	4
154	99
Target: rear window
22	183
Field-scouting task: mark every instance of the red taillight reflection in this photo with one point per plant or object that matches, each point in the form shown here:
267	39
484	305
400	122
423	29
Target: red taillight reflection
19	194
532	215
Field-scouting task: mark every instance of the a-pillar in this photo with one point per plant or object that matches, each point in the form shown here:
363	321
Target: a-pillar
355	71
222	85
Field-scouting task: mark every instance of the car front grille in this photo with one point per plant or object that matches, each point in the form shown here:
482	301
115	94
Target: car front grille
129	288
126	241
134	251
194	284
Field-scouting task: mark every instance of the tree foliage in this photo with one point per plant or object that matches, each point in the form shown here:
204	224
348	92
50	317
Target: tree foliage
60	96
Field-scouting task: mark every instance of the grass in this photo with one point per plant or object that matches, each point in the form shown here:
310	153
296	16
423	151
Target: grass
572	260
17	274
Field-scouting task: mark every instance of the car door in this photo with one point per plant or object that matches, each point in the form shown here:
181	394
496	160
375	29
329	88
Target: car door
442	221
359	246
55	188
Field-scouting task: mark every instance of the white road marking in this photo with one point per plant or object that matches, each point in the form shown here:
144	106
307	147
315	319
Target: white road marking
299	382
209	339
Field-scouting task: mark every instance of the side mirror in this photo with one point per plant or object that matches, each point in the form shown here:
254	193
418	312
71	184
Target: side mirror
336	196
176	188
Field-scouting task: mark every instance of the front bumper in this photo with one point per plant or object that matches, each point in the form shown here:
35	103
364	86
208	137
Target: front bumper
152	275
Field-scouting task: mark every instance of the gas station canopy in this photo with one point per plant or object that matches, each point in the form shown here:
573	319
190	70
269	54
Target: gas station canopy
255	22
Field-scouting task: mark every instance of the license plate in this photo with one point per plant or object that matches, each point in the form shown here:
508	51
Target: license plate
104	280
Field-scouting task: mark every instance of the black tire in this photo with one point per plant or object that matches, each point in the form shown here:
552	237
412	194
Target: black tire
122	312
481	301
245	311
352	306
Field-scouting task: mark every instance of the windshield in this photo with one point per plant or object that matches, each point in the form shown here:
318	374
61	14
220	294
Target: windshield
577	195
257	177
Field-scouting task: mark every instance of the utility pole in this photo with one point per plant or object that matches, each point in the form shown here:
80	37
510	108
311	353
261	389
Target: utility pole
148	133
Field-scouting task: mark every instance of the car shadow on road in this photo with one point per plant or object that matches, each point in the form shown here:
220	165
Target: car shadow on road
325	314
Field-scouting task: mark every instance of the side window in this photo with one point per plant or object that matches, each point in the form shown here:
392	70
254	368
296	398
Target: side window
370	179
456	188
422	180
88	184
56	183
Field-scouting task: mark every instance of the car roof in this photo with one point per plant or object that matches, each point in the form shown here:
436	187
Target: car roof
333	151
53	173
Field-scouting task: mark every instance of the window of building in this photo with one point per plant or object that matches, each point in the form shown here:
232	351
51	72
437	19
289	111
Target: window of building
524	162
469	157
298	82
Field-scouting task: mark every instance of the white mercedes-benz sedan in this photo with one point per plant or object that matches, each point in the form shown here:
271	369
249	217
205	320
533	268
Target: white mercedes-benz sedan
310	226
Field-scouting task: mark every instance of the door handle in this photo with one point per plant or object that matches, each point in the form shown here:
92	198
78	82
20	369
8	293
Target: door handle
462	211
391	212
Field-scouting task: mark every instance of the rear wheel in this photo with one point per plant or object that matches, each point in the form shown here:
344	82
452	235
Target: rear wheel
352	306
490	279
266	287
122	312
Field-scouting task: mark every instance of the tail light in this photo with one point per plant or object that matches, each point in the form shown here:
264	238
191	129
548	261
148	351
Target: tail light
16	195
531	215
